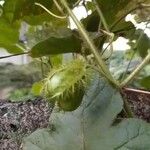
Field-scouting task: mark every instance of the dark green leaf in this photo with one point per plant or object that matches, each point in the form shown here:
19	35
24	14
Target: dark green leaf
72	2
16	9
145	82
9	36
122	28
143	45
112	11
131	134
31	13
8	33
11	9
91	22
57	45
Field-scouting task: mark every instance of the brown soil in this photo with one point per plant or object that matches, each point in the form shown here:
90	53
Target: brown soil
20	119
139	101
25	117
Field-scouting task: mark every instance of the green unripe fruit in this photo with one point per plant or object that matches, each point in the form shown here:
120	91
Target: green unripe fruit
66	85
73	99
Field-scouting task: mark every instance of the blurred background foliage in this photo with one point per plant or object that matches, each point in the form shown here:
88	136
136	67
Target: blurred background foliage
42	30
26	27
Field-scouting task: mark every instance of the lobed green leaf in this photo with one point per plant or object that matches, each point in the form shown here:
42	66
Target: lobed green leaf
80	129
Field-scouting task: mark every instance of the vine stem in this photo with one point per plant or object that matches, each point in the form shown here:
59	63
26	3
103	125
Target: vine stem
101	16
105	26
24	53
136	71
58	6
104	70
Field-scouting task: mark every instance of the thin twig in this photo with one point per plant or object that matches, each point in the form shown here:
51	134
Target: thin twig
24	53
125	73
49	12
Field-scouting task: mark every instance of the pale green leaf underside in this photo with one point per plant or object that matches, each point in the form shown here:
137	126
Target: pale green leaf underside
79	130
131	134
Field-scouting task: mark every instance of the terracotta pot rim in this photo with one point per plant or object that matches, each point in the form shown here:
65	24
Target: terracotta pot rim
136	90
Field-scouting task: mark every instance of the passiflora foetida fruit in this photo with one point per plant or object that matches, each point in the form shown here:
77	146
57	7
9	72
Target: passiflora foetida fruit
66	85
